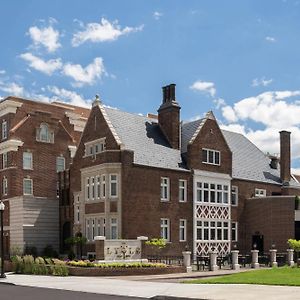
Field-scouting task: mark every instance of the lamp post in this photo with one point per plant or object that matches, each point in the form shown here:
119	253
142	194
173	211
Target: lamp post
2	207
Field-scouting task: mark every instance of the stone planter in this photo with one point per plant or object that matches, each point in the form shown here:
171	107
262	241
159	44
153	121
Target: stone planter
94	271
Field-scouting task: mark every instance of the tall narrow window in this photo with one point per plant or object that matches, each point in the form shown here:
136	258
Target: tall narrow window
113	190
27	160
182	230
98	187
234	231
4	130
165	229
234	195
27	186
60	163
44	134
182	190
4	186
77	214
87	189
4	160
103	227
164	189
92	196
113	228
103	186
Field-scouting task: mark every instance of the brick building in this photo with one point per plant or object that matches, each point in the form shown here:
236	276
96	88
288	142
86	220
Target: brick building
191	183
37	140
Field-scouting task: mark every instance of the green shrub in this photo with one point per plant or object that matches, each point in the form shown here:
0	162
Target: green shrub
18	264
157	242
59	270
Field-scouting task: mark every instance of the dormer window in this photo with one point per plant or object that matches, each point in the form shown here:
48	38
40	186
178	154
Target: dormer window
44	134
4	129
94	147
212	157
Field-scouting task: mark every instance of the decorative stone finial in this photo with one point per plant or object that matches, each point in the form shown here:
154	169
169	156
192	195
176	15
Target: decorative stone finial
97	101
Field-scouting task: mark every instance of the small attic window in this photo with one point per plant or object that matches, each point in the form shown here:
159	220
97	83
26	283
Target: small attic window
44	134
94	147
212	157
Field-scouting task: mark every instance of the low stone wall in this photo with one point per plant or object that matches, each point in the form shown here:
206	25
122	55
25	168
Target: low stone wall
81	271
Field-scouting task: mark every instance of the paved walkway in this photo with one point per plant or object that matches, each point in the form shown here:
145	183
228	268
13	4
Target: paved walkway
148	289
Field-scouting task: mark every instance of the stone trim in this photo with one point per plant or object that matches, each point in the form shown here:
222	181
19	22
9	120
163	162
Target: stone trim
10	145
9	106
77	120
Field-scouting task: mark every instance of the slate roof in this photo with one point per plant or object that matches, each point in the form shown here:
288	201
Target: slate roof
143	135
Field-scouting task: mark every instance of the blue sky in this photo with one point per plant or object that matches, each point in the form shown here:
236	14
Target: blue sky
239	58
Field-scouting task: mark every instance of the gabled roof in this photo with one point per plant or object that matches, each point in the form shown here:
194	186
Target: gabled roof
143	136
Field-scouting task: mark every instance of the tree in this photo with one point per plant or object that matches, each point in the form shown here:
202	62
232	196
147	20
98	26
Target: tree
78	241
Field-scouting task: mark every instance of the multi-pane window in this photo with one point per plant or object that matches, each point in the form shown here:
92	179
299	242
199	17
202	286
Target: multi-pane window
113	188
234	195
164	189
27	160
212	193
95	147
4	160
212	230
182	190
4	129
113	228
234	231
212	157
98	187
60	163
182	230
92	188
260	193
27	186
87	189
4	186
77	214
165	229
44	134
94	227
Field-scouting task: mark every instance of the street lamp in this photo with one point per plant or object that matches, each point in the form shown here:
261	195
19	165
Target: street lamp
2	207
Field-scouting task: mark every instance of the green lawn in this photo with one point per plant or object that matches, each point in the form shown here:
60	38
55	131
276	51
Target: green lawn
275	276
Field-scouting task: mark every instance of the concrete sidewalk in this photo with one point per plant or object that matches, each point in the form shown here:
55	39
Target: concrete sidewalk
146	289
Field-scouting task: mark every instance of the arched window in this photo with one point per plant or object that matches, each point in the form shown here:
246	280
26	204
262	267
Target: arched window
44	134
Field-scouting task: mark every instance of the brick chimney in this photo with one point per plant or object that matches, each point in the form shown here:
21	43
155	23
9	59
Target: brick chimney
169	116
285	156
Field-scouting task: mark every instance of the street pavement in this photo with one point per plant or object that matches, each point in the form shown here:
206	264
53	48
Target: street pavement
12	292
149	289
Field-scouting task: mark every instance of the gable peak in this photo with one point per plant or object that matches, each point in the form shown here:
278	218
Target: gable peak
97	101
210	115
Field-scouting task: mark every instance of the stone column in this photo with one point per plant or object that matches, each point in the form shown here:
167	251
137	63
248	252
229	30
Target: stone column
273	261
213	261
143	240
235	259
99	247
290	257
187	260
254	263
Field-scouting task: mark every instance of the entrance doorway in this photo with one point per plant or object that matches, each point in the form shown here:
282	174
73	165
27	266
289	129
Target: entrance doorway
258	240
297	230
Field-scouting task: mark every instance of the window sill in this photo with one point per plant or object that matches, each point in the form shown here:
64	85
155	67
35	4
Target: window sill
212	164
164	200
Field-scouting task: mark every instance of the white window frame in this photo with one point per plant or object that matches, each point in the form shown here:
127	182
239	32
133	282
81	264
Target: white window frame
164	189
113	224
207	227
98	184
182	190
206	189
92	188
111	182
165	229
94	147
28	158
31	186
77	213
103	186
4	160
182	230
234	192
87	188
48	138
234	231
260	192
4	186
205	160
61	159
4	129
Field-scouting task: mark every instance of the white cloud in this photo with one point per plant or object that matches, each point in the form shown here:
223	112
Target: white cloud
219	102
86	75
234	128
2	72
204	86
261	82
157	15
11	88
270	39
47	67
229	114
70	97
102	32
46	36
